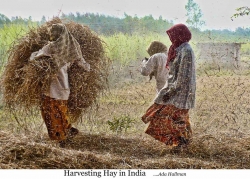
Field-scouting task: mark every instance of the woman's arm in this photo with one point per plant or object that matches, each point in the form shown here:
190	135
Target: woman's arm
41	53
148	66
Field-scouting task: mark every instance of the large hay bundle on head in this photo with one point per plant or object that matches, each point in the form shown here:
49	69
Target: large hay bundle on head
24	81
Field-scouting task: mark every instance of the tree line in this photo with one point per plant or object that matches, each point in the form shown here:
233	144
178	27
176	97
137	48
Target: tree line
108	25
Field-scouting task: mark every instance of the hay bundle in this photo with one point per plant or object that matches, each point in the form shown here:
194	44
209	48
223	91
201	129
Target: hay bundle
24	81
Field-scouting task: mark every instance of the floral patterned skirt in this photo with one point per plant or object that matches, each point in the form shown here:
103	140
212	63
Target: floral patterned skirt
168	124
55	115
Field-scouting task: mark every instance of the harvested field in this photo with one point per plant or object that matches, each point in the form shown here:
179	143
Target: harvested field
109	151
220	124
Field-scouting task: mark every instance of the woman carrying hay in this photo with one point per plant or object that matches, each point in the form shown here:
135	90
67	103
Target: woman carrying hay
168	116
64	50
155	65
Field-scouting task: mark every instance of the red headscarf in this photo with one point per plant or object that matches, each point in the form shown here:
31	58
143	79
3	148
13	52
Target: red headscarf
178	34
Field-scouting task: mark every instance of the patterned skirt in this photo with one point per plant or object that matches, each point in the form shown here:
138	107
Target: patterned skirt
168	124
55	116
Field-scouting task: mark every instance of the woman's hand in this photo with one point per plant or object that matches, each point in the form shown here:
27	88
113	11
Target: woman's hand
83	64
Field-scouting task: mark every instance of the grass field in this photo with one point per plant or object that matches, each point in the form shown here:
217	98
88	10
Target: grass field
113	136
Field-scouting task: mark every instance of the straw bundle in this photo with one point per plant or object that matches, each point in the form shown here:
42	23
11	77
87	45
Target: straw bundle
23	81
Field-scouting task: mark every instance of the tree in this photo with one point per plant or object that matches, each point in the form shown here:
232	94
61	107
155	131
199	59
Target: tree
43	20
241	11
4	20
194	15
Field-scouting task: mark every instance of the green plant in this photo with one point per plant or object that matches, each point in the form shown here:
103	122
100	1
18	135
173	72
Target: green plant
124	48
241	11
118	124
8	34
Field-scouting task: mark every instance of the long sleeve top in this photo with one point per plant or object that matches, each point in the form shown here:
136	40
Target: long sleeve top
157	64
182	80
59	87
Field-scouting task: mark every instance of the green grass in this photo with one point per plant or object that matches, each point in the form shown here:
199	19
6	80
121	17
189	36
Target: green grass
125	48
8	34
245	49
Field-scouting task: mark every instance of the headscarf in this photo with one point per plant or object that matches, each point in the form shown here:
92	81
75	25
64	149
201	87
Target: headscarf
64	49
178	34
156	47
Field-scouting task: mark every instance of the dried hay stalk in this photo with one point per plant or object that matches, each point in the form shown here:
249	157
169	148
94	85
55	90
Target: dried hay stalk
23	82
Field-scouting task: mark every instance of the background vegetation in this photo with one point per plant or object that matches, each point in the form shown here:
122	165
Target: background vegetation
112	136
